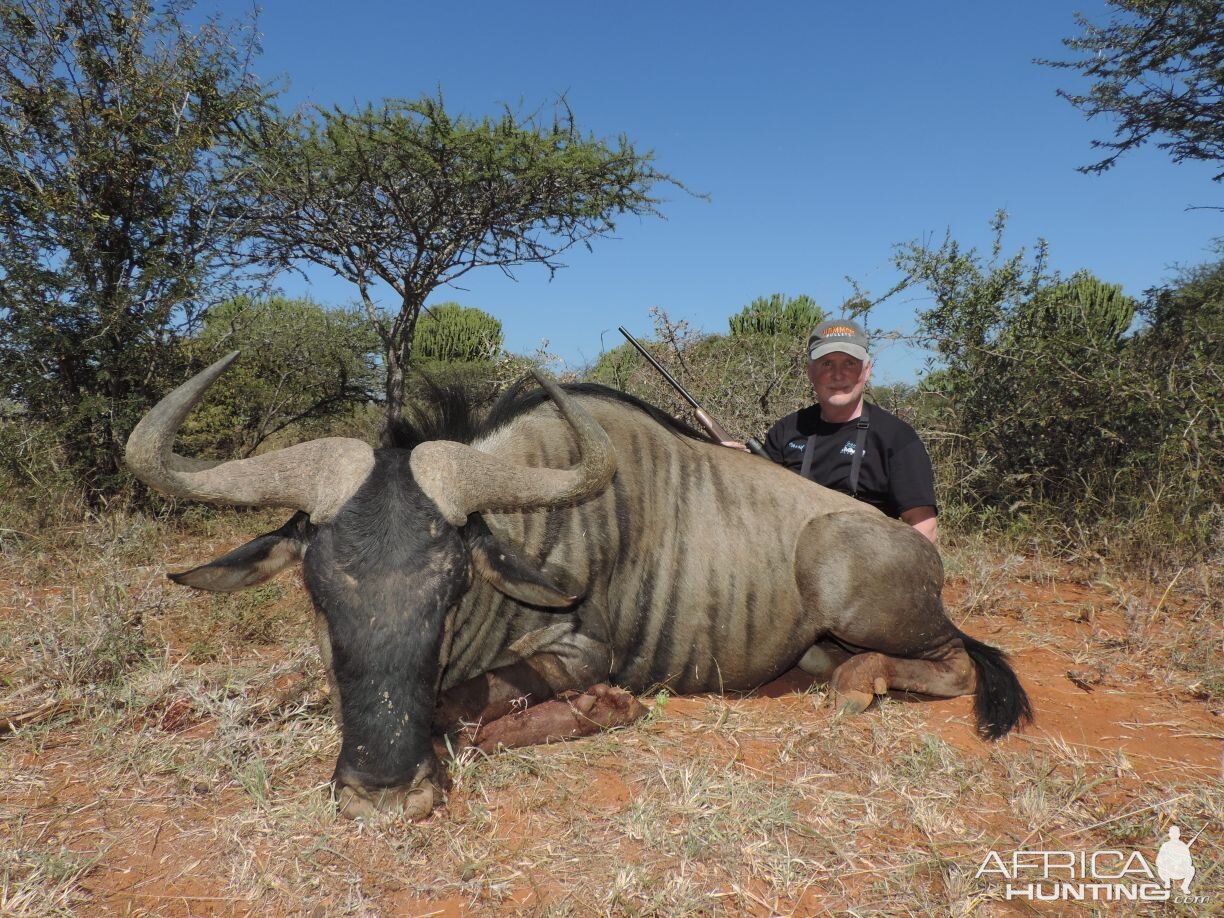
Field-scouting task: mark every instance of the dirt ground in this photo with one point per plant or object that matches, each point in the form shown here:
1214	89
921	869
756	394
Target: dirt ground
191	777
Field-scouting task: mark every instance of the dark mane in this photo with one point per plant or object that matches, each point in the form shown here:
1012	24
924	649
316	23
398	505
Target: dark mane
515	402
457	412
447	411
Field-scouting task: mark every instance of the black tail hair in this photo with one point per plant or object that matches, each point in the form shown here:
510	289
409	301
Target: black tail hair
1000	702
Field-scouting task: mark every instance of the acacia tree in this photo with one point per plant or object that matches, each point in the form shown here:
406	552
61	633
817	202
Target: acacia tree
406	195
118	226
1159	70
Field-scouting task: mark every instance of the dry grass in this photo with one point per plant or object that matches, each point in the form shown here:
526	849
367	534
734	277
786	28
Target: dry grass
187	773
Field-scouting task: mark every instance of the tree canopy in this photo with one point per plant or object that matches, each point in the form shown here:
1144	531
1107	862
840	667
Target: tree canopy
119	224
1158	69
409	195
451	333
1062	399
456	346
778	314
301	364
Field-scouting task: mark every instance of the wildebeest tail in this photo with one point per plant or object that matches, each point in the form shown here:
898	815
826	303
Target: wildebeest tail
1000	702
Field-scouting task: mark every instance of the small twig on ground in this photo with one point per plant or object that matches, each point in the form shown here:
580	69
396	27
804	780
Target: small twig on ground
1168	590
1142	809
37	715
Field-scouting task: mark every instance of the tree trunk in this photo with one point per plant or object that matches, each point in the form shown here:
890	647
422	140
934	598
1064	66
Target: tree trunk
399	358
393	406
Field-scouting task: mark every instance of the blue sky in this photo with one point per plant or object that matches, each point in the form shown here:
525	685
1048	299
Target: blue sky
824	134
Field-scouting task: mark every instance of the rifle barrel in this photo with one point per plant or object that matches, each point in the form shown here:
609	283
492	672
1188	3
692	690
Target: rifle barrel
675	384
713	428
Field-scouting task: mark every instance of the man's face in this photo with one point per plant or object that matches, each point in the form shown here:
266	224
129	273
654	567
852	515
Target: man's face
838	379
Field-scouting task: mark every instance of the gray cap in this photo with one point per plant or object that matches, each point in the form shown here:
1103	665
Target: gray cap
843	335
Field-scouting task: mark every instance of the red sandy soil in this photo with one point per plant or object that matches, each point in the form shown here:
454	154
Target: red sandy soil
161	866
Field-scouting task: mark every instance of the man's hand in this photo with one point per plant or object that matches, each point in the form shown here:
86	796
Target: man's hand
734	444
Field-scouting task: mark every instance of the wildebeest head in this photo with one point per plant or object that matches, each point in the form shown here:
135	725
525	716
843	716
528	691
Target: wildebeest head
389	539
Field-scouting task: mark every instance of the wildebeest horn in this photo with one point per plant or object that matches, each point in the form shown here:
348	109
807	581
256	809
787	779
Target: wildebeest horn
463	480
318	476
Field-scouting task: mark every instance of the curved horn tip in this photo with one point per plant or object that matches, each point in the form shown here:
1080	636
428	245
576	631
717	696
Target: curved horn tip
213	371
223	364
206	377
148	447
547	383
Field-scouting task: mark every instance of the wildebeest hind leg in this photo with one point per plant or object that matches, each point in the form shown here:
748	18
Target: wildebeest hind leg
946	675
822	659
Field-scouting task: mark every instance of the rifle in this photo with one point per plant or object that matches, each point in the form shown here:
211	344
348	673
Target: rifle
713	428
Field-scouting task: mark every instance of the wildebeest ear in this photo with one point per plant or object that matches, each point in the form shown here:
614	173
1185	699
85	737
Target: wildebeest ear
258	560
507	572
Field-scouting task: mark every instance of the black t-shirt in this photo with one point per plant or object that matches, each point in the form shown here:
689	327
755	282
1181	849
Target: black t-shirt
895	474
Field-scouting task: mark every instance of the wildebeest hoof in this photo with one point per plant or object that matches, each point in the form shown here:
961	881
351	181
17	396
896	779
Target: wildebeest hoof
854	702
412	803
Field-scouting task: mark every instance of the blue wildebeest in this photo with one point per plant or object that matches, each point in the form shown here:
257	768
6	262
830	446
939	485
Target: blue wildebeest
563	543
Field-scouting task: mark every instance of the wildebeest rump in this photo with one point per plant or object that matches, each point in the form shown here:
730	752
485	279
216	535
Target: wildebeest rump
569	540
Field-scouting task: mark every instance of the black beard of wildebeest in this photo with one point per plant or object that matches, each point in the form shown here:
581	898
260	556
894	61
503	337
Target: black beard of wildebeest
477	566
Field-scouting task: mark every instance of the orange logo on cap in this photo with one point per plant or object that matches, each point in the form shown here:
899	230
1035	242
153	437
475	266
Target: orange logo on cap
839	330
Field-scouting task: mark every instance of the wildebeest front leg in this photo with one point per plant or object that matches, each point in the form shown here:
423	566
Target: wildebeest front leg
574	715
571	664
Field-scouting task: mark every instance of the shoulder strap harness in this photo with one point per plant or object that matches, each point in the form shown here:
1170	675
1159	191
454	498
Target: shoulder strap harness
860	449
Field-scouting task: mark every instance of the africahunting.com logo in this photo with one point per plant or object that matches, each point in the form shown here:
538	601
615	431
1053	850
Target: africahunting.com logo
1096	876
